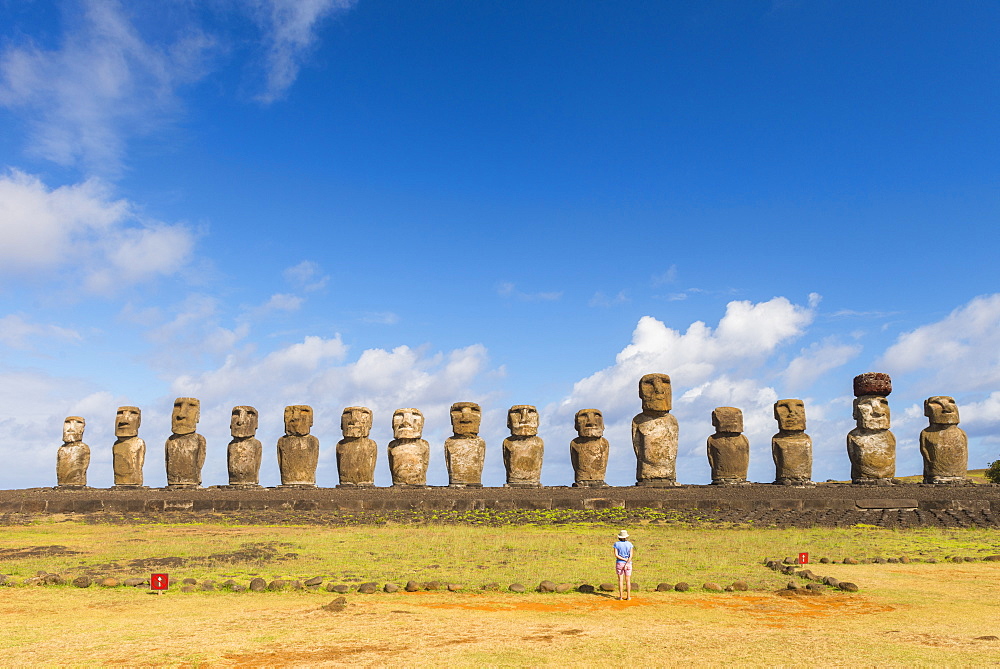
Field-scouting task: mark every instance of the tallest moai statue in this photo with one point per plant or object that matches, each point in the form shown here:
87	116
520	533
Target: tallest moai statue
871	446
654	434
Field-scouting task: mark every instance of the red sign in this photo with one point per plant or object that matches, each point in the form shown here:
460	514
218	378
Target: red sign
158	582
803	558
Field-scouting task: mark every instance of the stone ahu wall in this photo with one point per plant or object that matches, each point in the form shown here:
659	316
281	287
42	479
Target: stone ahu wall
871	446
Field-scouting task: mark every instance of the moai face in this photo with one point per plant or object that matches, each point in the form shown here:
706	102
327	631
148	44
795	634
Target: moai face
244	422
407	424
872	412
187	412
356	422
791	415
73	429
589	423
655	392
522	419
727	419
465	418
298	420
941	410
127	421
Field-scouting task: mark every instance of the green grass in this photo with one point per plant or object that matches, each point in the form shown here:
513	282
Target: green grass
465	554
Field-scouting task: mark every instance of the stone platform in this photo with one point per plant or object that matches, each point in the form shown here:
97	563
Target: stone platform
731	501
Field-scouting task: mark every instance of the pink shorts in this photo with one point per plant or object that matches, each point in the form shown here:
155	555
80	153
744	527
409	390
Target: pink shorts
622	568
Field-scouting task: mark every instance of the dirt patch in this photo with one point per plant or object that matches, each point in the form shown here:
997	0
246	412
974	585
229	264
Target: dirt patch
299	656
789	609
260	552
34	552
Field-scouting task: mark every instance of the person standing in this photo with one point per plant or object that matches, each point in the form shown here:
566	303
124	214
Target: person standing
624	550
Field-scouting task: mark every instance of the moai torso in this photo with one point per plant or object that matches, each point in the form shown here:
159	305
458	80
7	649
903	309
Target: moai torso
298	451
523	450
185	448
73	456
129	451
944	445
244	452
409	455
728	448
465	450
356	453
871	446
655	433
589	450
791	448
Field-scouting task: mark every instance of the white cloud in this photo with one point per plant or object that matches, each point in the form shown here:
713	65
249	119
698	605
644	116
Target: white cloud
81	232
279	302
815	361
18	332
669	276
289	31
959	353
102	84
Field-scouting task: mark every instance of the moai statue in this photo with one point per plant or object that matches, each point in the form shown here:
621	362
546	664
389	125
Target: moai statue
728	448
465	450
409	455
356	453
73	456
185	448
129	452
589	451
943	443
654	434
298	451
791	447
523	449
244	452
871	446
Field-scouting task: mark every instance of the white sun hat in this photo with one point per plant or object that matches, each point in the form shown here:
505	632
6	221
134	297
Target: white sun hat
623	535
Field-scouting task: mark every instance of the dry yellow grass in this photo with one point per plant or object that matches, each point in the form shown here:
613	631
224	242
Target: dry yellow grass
905	614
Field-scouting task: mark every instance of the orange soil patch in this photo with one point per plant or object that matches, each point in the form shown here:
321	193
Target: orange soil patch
797	607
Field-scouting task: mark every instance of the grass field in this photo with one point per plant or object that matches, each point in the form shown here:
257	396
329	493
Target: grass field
904	615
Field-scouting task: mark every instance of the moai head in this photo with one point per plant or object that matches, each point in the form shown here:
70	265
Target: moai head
244	422
127	421
791	415
727	419
589	423
73	429
356	422
465	418
940	409
407	424
654	391
872	412
522	419
298	420
187	412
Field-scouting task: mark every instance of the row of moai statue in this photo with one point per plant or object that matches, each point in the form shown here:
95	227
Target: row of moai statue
871	447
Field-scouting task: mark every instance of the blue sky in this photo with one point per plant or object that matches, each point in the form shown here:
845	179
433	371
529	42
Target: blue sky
396	204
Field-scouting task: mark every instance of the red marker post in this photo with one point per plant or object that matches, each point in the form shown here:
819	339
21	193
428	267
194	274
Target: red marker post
158	581
803	558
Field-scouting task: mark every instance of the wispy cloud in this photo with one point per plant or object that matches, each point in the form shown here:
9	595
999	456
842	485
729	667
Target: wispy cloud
509	290
103	84
307	275
289	28
18	332
663	278
380	317
600	299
